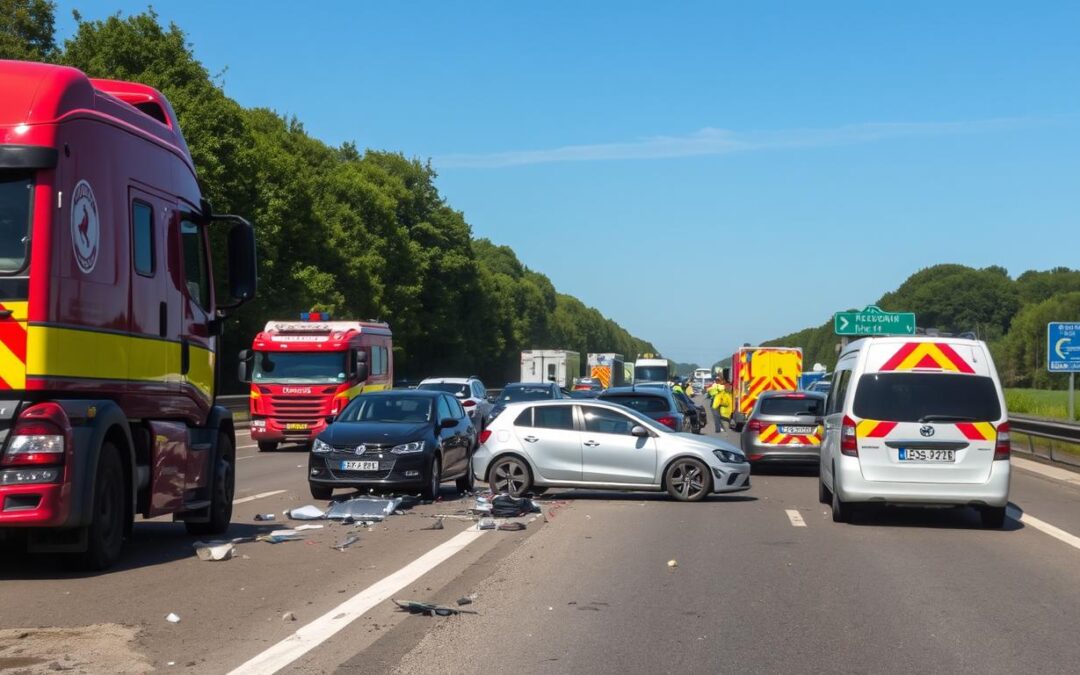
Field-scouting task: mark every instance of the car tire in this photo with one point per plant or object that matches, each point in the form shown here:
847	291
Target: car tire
322	492
510	475
467	482
823	495
221	495
267	446
106	533
431	490
993	517
688	480
841	510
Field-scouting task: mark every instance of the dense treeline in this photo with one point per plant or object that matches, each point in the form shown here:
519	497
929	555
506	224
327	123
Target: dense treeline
359	234
1010	314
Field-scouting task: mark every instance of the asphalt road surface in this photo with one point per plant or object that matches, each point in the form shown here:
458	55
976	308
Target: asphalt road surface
764	582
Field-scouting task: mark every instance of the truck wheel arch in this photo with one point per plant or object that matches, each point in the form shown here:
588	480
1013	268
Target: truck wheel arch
108	423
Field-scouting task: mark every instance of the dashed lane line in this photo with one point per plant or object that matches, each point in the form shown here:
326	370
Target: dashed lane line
795	517
326	626
261	495
1044	527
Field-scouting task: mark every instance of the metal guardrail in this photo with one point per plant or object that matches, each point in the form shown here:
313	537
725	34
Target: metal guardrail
1049	430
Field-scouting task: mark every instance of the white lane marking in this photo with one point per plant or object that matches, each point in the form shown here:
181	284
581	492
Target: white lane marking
326	626
1054	472
240	457
247	445
795	517
261	495
1045	527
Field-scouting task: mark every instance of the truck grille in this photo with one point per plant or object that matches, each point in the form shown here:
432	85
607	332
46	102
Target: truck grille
298	408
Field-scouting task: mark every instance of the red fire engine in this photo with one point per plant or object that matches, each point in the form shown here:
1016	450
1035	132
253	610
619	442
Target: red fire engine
303	371
109	322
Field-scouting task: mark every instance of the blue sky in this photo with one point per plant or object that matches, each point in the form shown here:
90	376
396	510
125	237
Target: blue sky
706	174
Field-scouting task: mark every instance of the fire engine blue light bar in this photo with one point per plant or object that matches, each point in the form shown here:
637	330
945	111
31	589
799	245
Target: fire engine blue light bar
314	316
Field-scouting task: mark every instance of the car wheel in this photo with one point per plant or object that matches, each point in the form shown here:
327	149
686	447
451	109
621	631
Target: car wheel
322	492
823	495
105	534
466	483
993	517
267	446
510	475
221	498
687	480
841	510
431	490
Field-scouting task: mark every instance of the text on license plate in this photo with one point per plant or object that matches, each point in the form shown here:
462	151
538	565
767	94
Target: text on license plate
356	465
296	426
796	430
924	455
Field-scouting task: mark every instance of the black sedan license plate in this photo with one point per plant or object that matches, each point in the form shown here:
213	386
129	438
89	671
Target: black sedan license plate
353	465
925	455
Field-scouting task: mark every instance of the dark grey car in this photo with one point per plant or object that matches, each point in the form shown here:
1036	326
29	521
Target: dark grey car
657	403
785	427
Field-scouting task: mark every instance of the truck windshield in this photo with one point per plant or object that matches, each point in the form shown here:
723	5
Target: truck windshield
300	367
16	191
650	374
909	397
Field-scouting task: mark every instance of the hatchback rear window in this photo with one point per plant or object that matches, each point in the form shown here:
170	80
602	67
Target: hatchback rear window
640	403
913	397
784	405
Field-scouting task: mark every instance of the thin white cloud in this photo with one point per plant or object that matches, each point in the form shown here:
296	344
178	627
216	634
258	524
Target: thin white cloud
711	141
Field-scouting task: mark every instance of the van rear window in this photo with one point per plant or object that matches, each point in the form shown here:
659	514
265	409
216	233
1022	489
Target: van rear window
783	405
910	397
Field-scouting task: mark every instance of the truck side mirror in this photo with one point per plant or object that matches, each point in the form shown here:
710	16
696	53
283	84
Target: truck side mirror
362	371
247	362
243	268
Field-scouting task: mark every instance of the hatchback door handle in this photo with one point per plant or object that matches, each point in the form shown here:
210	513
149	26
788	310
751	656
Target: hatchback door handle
531	439
591	444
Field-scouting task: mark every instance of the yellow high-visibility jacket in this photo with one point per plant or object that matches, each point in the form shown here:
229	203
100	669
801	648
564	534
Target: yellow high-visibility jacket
722	402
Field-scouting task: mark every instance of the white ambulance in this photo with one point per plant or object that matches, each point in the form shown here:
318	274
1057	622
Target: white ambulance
916	420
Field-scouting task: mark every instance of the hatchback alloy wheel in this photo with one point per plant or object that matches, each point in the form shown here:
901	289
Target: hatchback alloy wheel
688	480
509	475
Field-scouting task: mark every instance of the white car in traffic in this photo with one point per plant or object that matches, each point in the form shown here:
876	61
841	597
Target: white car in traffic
592	444
916	420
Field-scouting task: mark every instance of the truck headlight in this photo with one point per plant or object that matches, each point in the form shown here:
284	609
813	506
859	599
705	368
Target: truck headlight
320	447
408	448
729	457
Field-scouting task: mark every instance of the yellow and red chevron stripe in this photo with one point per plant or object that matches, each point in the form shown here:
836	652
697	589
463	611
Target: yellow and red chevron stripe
977	431
929	356
771	435
873	429
762	384
13	346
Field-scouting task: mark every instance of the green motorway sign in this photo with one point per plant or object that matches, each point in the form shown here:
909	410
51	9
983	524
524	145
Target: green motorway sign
873	321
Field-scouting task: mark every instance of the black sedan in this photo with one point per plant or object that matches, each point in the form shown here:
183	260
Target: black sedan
516	392
394	440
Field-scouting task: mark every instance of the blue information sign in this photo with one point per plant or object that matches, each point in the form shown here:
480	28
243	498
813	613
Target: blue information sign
1063	347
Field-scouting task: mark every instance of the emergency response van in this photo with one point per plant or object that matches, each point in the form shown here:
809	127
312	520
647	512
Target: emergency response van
303	371
607	369
109	319
653	368
759	369
916	420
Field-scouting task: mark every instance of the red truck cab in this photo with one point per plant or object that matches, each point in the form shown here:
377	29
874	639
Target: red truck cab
302	372
109	324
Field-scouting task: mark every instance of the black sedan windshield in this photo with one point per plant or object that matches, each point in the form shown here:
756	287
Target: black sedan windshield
393	409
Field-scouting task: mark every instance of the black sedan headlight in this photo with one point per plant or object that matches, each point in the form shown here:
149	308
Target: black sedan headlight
320	447
729	456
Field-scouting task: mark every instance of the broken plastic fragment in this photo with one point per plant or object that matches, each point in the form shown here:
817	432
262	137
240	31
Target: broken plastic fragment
672	563
308	527
278	536
363	508
308	512
265	516
172	618
486	524
214	550
346	542
415	607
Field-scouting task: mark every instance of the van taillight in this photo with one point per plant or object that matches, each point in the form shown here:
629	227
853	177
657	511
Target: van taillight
40	437
849	442
1003	447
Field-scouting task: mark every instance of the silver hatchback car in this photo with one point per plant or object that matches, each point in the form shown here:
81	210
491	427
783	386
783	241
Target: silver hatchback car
535	445
785	427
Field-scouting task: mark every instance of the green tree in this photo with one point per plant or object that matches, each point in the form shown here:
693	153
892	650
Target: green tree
1022	354
27	30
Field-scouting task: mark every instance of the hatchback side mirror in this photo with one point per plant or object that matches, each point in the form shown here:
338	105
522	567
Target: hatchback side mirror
639	431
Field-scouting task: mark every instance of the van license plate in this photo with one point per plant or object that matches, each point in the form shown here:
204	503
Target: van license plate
296	426
924	455
354	465
799	431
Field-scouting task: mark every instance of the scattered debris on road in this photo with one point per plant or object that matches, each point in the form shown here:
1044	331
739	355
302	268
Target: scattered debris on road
298	528
346	542
308	512
265	516
172	618
214	550
415	607
673	563
288	616
437	525
363	508
467	600
278	536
